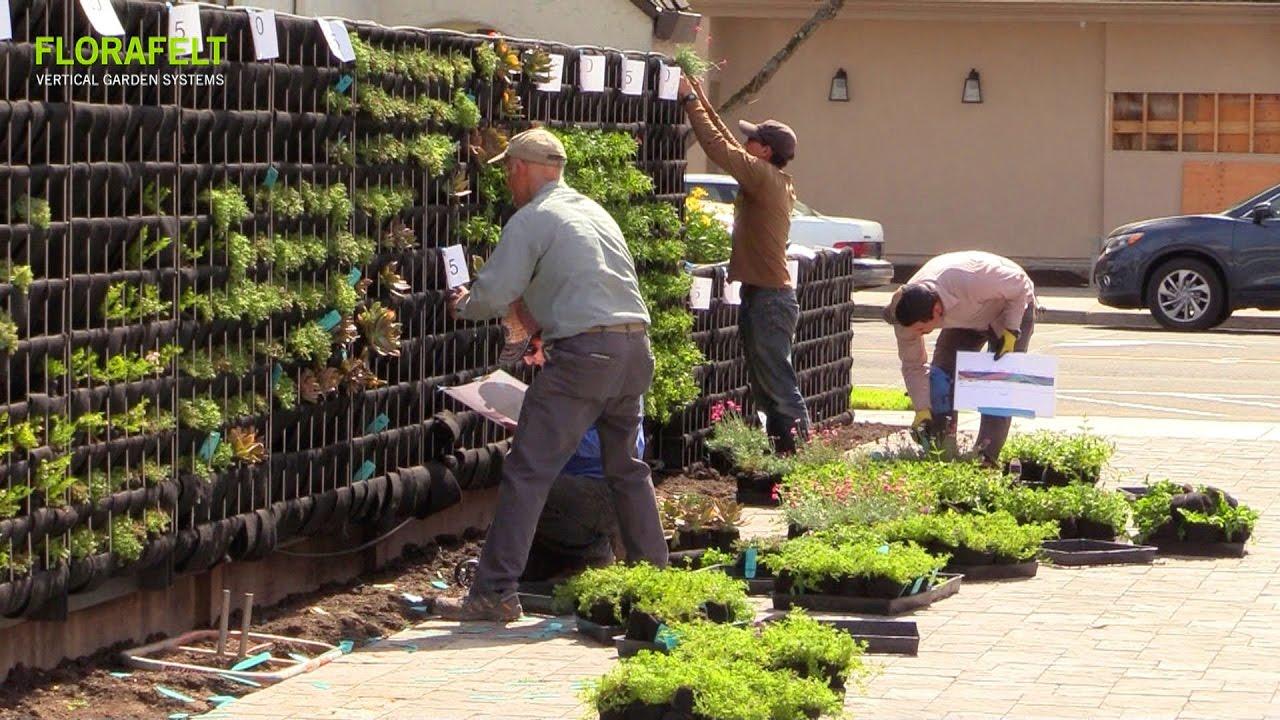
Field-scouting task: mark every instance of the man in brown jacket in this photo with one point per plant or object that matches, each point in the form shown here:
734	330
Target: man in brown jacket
976	298
761	227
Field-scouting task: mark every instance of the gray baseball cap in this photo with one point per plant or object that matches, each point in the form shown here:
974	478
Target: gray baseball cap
536	146
774	134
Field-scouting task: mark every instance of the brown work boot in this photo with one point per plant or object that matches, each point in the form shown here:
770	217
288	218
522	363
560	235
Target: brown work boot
486	607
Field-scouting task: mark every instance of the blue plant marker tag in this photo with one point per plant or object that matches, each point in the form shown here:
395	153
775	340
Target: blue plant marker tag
353	277
916	587
439	584
121	674
378	424
749	563
299	657
276	372
344	82
411	598
883	549
252	661
346	646
174	694
210	444
665	637
330	321
365	472
272	175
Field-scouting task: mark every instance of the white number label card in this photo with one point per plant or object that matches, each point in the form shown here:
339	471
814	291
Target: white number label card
184	22
591	72
6	21
632	76
793	269
700	294
733	293
555	75
670	84
103	17
266	42
335	33
455	266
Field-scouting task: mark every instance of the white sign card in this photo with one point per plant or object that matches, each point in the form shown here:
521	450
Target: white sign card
184	22
335	33
1019	384
733	293
793	269
102	16
670	84
497	396
700	293
455	266
632	76
591	72
266	42
6	21
555	75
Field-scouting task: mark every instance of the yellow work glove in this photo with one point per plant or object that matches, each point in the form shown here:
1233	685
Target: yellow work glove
1006	341
923	418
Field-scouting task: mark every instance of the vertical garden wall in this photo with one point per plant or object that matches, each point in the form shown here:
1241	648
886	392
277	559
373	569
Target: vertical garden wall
222	315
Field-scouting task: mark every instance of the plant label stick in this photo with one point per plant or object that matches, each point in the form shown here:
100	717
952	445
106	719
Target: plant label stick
700	294
6	22
632	77
455	266
555	75
266	43
670	83
591	73
184	22
733	293
102	16
335	33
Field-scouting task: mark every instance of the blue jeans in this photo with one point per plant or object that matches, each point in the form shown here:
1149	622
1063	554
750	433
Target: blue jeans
767	325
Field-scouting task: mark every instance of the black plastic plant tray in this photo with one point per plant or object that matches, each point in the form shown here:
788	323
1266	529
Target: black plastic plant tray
536	604
759	586
882	637
874	606
996	571
1200	549
629	648
1097	552
756	499
603	634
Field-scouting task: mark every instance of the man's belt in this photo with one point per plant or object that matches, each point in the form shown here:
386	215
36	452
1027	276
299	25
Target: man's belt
622	328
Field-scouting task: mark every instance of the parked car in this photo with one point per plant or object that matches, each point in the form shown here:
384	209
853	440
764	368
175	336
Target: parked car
864	238
1193	271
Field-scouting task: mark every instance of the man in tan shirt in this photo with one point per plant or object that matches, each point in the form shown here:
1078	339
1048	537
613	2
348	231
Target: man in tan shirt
976	298
761	228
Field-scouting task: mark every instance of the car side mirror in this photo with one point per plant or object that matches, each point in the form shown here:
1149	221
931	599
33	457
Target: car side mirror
1262	211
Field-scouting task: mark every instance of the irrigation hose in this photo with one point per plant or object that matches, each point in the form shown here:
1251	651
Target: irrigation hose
348	551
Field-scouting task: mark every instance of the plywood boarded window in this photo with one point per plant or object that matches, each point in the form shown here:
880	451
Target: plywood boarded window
1196	122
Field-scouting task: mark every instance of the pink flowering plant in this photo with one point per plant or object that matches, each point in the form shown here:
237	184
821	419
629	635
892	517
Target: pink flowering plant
749	448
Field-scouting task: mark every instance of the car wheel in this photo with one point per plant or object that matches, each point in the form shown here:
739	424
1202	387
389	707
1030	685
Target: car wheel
1186	294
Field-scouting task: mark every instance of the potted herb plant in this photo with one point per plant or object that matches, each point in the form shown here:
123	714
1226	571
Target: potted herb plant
1056	459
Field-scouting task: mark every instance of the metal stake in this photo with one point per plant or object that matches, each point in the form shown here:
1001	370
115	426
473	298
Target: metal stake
244	625
222	623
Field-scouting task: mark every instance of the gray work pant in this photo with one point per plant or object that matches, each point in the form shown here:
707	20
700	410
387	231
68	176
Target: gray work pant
767	326
590	378
993	430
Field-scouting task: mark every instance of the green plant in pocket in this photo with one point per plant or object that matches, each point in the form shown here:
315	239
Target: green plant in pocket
155	522
18	563
673	386
383	203
91	424
486	60
291	253
967	487
493	185
466	114
352	249
479	231
227	208
61	432
126	302
286	392
19	435
341	153
34	211
11	499
8	333
653	234
19	276
143	248
248	300
82	543
126	536
311	342
202	414
200	306
140	419
437	153
663	289
54	368
245	445
245	405
343	298
153	197
381	329
52	479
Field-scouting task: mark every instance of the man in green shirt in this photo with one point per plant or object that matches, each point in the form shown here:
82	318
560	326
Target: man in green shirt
567	259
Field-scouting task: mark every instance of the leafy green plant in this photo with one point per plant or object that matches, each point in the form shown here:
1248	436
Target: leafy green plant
201	414
673	385
311	342
801	643
140	419
846	492
8	333
245	405
127	302
690	62
153	197
127	536
143	248
1080	456
227	208
19	276
466	114
1234	522
997	533
155	522
19	563
486	60
286	392
437	153
11	499
34	210
1063	503
82	543
382	203
352	249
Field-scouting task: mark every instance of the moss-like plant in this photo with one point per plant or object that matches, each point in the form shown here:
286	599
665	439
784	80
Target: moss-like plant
383	203
201	414
82	543
227	208
19	276
155	522
997	533
8	333
486	60
34	211
1079	456
311	342
126	536
466	114
286	392
352	249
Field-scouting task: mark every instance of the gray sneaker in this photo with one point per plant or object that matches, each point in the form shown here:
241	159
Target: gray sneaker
486	607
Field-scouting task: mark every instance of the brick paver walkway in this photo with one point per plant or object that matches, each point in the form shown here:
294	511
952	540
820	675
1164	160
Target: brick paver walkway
1184	638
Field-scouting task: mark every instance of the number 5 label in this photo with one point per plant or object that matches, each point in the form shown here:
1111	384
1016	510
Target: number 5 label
632	77
700	294
184	22
266	43
455	266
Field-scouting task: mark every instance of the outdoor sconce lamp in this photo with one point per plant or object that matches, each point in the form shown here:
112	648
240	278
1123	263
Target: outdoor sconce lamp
839	87
972	87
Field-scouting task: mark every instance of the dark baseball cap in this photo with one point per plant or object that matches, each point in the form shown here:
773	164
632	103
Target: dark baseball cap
774	134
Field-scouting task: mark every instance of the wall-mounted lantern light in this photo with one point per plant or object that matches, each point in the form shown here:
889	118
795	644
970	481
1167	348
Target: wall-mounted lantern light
972	88
839	87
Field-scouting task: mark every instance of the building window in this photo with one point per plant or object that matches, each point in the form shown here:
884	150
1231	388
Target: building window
1196	122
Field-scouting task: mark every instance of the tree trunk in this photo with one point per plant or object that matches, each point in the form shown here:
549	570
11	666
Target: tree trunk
828	11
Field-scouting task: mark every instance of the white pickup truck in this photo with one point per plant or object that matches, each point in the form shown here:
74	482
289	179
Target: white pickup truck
864	238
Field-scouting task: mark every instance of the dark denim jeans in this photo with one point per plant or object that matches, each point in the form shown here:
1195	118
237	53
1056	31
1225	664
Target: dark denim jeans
767	325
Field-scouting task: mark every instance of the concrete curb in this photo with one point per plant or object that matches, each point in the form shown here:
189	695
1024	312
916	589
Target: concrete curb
1120	319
